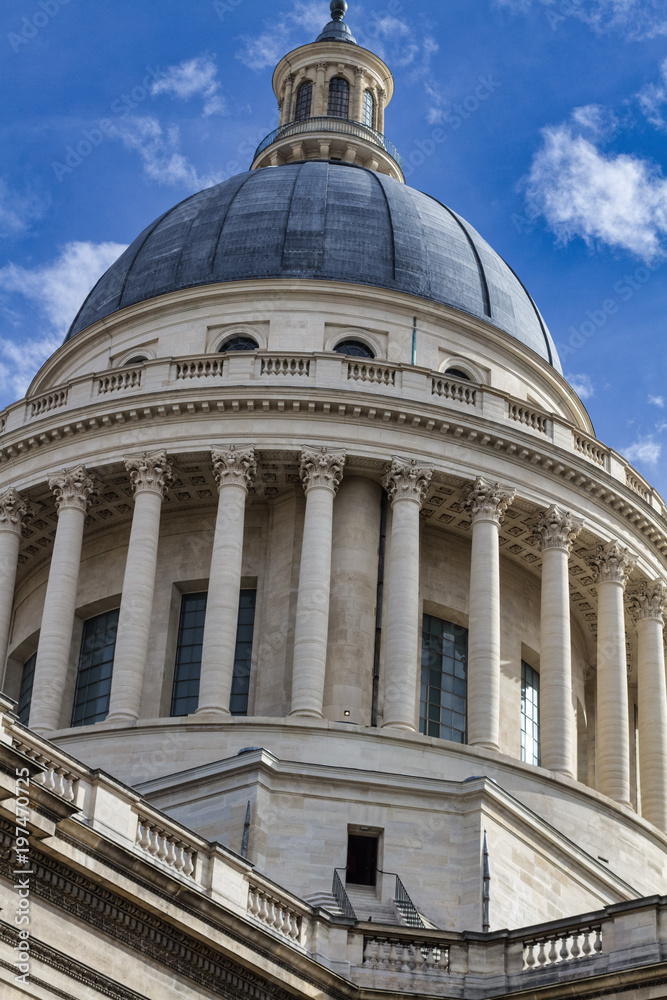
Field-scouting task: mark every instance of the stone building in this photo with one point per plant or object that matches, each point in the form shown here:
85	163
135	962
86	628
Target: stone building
332	637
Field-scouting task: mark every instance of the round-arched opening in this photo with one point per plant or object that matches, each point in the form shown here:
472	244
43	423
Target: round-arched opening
138	359
458	373
238	343
339	98
354	349
304	100
369	109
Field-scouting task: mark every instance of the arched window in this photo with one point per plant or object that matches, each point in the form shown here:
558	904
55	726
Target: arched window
304	100
238	344
139	359
443	709
369	109
339	98
354	349
458	373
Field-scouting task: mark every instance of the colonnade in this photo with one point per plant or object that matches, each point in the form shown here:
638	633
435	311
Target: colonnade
320	75
406	483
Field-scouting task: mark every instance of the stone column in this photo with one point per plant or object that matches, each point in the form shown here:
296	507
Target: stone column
380	111
486	503
149	475
234	470
407	484
72	489
648	608
320	95
321	473
613	564
358	96
557	530
286	110
13	512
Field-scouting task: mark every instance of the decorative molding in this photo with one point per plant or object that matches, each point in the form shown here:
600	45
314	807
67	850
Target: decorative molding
149	473
487	501
234	466
557	529
321	468
649	602
322	67
14	510
72	488
613	563
407	480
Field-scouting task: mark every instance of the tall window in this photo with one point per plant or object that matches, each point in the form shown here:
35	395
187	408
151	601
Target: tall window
369	109
443	703
93	680
185	694
530	714
304	100
25	694
339	98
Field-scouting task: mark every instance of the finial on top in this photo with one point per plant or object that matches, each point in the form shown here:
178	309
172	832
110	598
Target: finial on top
338	9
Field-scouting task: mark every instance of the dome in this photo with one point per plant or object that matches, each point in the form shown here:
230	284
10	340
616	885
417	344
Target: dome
326	221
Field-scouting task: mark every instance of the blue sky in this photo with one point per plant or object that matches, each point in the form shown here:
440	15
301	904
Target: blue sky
114	111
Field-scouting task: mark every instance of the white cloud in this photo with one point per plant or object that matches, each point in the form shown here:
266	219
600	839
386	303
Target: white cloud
620	201
307	17
644	450
159	150
594	119
191	78
18	211
657	401
653	100
636	19
582	385
56	290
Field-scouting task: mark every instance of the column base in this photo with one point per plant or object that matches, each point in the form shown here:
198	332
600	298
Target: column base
121	719
485	746
405	726
212	715
305	713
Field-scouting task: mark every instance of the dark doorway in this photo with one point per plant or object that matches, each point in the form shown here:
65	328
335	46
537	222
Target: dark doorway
362	859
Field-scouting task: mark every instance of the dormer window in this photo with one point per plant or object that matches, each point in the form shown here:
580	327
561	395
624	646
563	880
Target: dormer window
369	109
304	100
339	98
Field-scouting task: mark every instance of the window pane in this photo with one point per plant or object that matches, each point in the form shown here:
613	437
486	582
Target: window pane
93	681
530	714
25	694
369	110
444	687
339	98
304	101
243	653
185	693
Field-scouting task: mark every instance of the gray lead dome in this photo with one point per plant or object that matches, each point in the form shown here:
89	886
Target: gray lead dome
326	221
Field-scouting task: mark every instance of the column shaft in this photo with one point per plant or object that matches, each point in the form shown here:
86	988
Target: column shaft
10	542
556	729
612	707
484	637
649	607
402	623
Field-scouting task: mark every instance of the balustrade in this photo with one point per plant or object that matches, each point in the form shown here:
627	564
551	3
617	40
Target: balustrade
529	418
591	450
200	368
165	847
275	913
51	401
557	948
460	392
55	777
371	373
285	366
124	378
409	955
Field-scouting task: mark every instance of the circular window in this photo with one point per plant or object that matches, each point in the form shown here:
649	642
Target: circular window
354	349
457	373
239	344
137	360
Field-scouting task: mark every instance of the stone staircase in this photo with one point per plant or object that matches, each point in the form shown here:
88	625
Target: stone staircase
368	907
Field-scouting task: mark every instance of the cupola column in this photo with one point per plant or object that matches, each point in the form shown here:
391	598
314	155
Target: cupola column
319	105
149	475
13	512
380	111
613	564
358	98
72	489
486	504
648	608
321	472
234	471
557	530
407	484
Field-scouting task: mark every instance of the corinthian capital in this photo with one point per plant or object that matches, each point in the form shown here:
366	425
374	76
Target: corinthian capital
234	466
487	502
649	602
613	563
557	529
13	511
149	473
72	488
321	468
407	480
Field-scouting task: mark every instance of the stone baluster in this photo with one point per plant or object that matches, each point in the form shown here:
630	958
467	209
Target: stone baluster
556	530
72	489
486	504
149	474
234	470
407	484
613	563
648	609
13	512
321	472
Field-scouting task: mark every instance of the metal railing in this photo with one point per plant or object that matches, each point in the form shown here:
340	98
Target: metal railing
325	123
341	896
406	907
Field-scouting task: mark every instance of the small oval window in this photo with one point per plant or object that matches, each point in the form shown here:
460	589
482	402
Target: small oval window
354	349
457	373
238	344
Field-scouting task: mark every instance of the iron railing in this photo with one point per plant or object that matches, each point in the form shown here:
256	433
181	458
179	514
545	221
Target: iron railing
341	897
406	907
341	126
